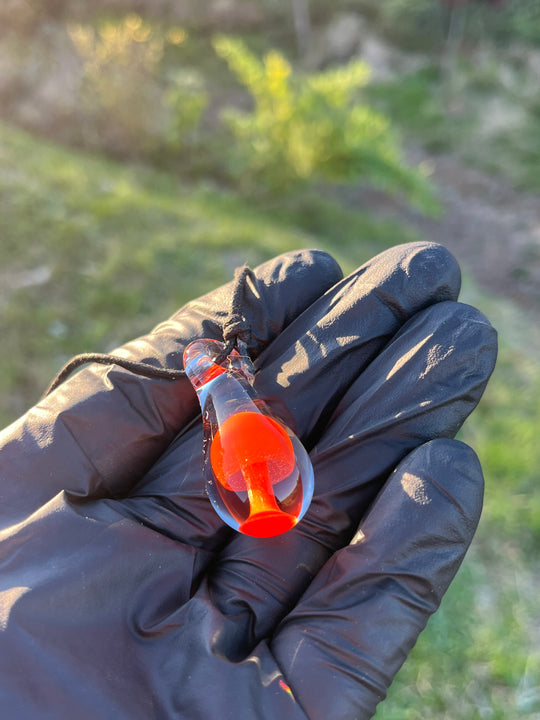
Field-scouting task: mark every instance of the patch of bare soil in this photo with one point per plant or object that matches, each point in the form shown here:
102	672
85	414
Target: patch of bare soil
493	230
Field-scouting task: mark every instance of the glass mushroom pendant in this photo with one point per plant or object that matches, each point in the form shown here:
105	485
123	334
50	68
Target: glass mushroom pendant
258	474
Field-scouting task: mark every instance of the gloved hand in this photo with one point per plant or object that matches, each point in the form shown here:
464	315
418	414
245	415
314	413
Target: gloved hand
122	594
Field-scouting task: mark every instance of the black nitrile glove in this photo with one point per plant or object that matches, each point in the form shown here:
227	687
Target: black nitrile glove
122	594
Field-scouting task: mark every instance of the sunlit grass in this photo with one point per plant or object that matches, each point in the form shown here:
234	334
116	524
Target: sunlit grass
478	657
119	249
94	253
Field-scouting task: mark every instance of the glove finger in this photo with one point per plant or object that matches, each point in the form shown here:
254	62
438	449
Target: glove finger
340	648
422	386
313	362
343	330
102	429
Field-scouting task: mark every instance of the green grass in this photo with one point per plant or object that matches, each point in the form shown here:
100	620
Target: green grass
123	248
478	657
95	253
505	432
505	428
445	111
517	150
416	105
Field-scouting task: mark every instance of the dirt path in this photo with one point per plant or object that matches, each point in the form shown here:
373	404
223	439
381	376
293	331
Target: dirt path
493	230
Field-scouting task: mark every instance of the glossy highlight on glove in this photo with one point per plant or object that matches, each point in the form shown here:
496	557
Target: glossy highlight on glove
258	474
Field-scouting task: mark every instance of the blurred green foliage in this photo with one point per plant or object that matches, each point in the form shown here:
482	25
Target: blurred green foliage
94	253
426	24
312	127
187	99
482	110
120	88
416	102
303	128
